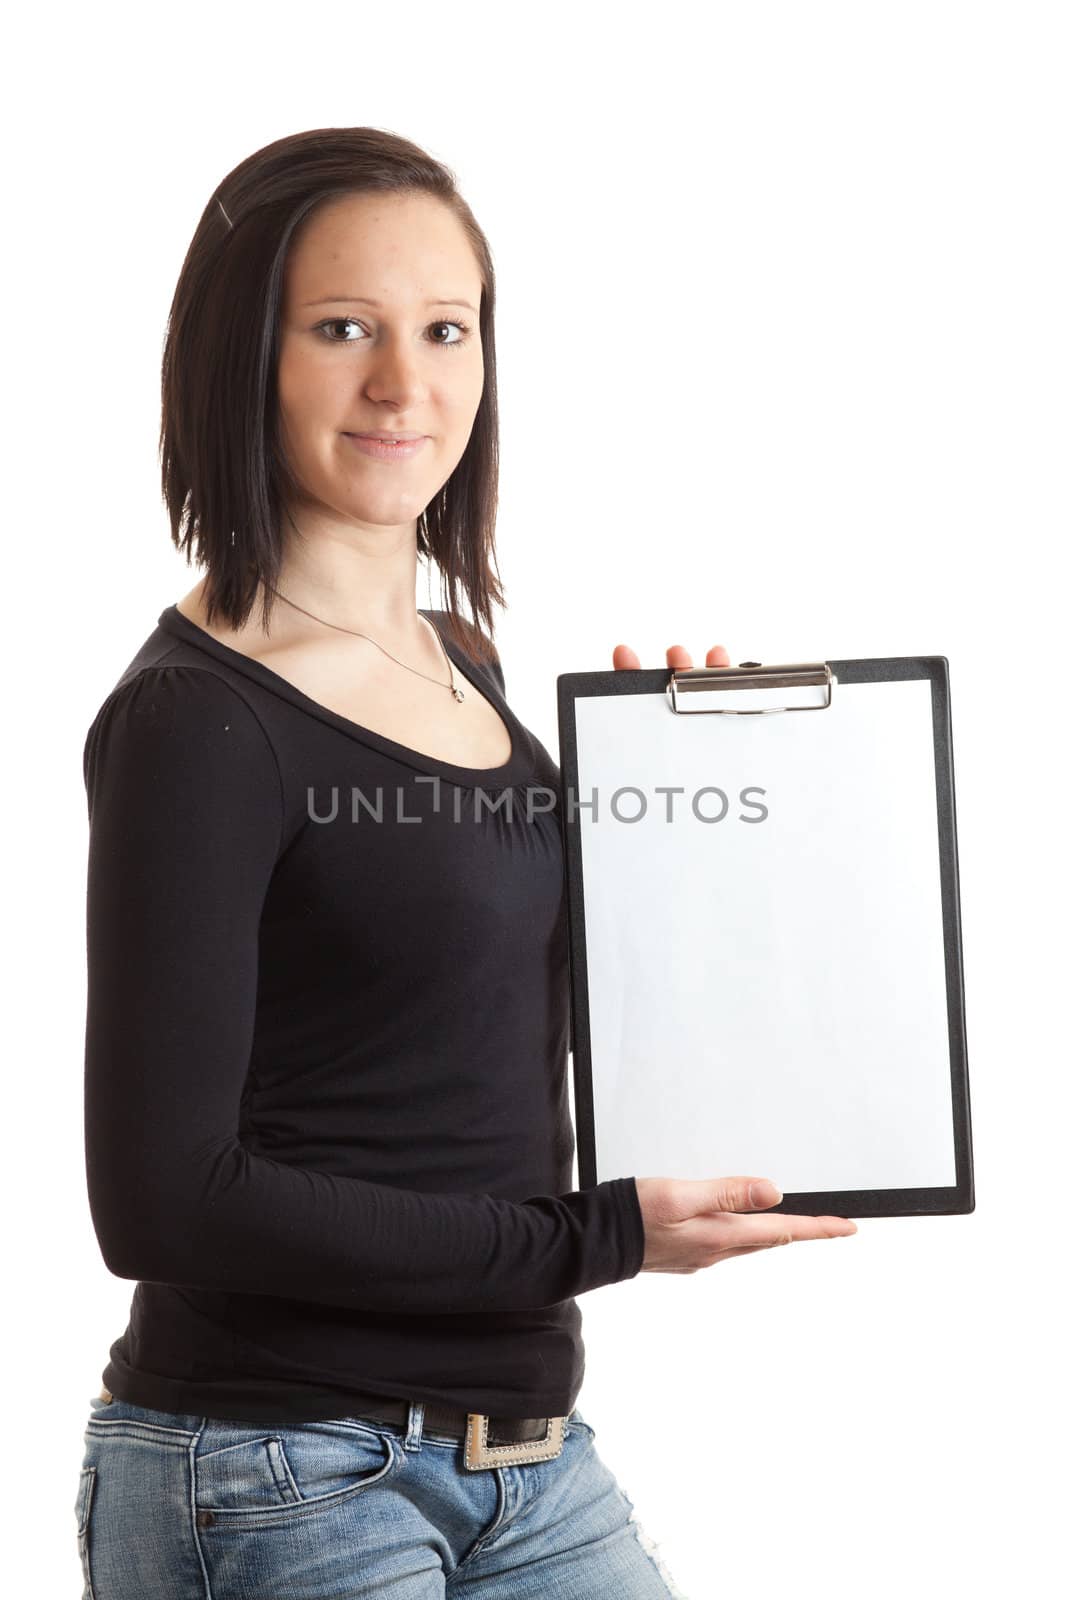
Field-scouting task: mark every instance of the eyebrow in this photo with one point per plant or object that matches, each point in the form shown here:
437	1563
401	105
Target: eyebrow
351	299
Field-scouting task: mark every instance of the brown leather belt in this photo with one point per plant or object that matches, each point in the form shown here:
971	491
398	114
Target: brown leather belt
488	1441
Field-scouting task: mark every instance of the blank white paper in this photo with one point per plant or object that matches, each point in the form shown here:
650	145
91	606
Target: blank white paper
767	996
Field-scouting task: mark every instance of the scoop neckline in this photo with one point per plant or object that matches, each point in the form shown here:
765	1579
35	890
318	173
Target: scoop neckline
177	623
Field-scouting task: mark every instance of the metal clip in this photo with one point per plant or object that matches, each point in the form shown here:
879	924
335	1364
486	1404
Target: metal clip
749	675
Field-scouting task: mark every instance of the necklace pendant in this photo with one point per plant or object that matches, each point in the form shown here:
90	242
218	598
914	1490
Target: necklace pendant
458	693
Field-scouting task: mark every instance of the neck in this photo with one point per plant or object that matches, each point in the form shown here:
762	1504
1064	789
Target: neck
355	580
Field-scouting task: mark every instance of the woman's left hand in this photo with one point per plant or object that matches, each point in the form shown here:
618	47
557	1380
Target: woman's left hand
625	660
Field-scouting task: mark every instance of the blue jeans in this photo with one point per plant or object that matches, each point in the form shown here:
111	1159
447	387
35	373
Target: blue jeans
177	1507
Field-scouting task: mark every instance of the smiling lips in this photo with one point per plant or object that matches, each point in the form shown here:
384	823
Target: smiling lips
389	436
381	449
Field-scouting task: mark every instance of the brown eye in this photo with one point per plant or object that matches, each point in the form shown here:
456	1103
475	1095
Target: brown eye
340	322
351	322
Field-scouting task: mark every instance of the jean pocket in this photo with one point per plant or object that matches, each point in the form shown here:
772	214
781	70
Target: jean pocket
287	1470
83	1506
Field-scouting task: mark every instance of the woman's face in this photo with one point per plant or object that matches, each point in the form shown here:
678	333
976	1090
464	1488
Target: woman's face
346	366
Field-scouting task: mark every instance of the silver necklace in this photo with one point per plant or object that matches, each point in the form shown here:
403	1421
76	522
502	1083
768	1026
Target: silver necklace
457	694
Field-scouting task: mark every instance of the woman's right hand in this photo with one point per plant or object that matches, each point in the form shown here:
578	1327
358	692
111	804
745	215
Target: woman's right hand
694	1223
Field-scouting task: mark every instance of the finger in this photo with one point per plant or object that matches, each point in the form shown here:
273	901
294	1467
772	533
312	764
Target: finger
718	656
624	659
780	1227
679	658
740	1250
769	1244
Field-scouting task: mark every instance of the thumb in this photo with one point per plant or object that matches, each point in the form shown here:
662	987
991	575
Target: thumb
742	1194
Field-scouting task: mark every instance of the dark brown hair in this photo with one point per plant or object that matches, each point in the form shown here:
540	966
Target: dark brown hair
225	475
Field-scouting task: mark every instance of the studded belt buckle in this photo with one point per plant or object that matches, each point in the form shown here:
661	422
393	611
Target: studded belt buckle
478	1453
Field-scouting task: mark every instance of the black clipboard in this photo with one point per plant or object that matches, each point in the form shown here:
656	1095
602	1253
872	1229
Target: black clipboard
907	1123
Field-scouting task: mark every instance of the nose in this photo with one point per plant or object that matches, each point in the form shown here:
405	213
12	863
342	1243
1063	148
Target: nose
395	375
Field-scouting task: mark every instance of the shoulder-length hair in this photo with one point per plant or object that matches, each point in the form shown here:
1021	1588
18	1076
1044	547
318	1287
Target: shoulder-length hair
225	475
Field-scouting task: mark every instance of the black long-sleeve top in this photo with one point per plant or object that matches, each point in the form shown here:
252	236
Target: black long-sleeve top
326	1115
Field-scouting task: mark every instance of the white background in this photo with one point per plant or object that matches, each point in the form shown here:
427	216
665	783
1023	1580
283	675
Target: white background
781	343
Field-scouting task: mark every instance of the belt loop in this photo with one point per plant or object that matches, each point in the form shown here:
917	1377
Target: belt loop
413	1437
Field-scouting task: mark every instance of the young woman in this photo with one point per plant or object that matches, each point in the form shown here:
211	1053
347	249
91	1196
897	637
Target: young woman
326	1114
